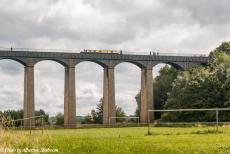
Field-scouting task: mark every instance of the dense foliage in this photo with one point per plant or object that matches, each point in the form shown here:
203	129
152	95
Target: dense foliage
5	121
203	87
59	119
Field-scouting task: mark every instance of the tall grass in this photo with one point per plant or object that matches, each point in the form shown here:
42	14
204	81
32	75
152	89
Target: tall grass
120	140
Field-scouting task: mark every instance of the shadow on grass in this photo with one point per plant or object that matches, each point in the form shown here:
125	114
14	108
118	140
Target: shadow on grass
210	131
203	132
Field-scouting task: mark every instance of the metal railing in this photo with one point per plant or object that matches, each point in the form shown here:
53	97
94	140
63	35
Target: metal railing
40	50
151	53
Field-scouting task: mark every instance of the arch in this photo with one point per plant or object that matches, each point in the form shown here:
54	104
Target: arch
15	59
127	86
11	85
175	65
101	63
49	87
62	62
90	90
138	64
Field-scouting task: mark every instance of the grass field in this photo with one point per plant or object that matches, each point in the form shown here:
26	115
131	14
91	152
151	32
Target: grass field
121	140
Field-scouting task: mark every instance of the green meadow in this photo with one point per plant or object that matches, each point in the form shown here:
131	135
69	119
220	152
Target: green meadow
119	140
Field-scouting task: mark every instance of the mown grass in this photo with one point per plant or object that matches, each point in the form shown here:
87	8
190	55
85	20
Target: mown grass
122	140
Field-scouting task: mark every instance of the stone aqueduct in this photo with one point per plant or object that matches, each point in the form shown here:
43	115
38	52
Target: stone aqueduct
108	61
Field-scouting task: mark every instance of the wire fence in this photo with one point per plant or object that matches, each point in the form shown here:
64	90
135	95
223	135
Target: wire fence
124	120
22	126
215	123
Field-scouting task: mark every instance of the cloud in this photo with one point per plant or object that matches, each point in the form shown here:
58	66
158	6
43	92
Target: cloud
205	12
11	83
10	67
114	24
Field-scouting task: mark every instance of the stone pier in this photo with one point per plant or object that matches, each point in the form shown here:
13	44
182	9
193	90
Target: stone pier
29	95
146	95
70	97
109	96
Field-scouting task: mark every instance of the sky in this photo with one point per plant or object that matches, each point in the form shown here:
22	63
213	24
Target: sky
167	26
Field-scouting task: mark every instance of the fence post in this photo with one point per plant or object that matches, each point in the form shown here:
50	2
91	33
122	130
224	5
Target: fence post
14	126
21	124
217	120
148	122
42	125
30	125
109	121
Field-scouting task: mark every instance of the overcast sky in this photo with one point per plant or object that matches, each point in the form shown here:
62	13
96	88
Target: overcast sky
180	26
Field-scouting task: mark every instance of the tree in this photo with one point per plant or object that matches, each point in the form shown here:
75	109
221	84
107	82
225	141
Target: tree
5	120
119	114
59	119
223	48
202	87
88	119
14	115
45	117
96	116
138	100
162	85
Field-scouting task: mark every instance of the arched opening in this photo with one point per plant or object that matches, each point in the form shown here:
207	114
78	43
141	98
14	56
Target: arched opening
89	91
49	90
12	88
127	86
163	76
53	60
